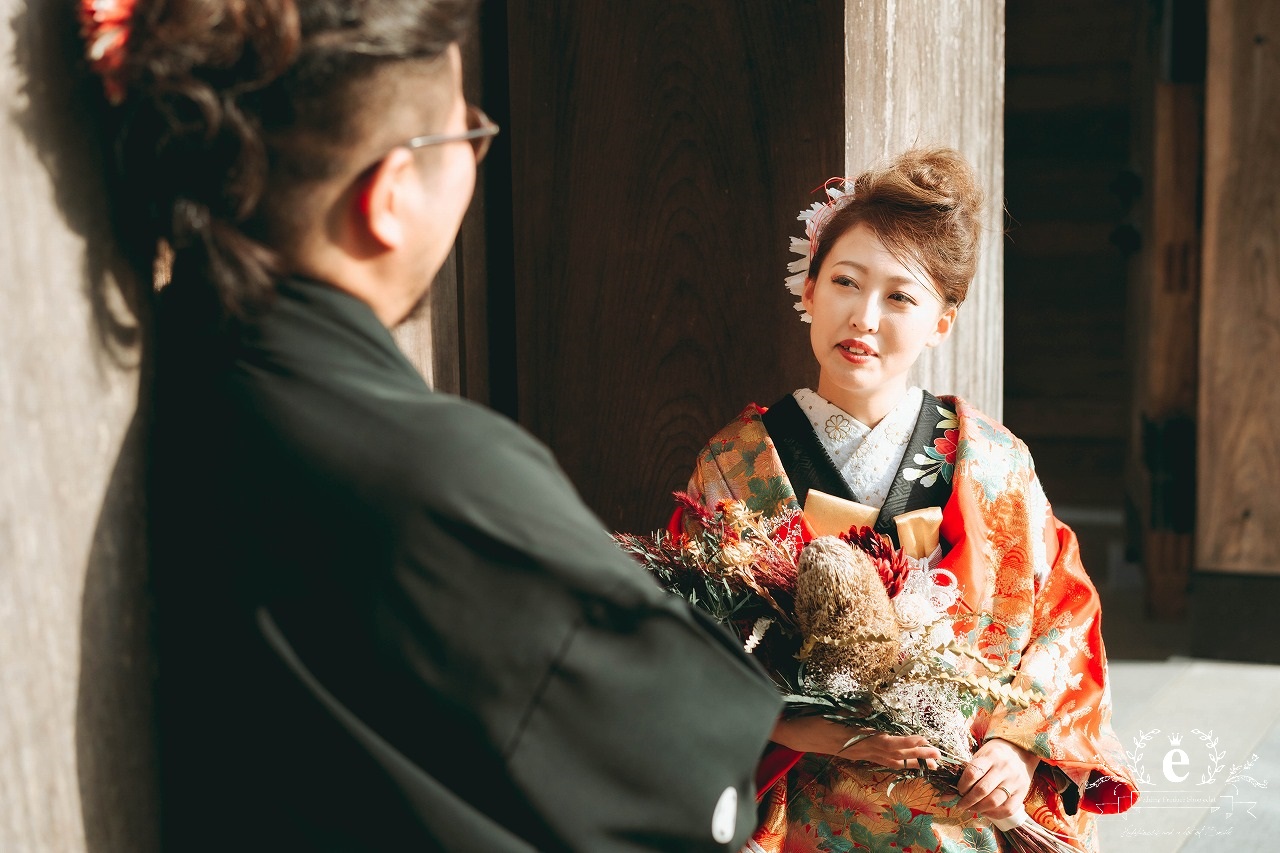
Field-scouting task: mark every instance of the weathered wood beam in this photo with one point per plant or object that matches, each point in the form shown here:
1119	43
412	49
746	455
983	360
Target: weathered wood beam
919	72
1238	513
1164	299
76	754
1169	312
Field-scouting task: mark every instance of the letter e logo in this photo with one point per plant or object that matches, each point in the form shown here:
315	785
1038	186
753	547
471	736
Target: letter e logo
1174	759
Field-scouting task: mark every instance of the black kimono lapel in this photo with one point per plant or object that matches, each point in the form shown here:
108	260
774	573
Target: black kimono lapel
809	466
806	461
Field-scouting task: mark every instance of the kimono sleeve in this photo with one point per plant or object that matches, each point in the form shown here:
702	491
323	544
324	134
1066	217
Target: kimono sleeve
739	463
1060	655
707	486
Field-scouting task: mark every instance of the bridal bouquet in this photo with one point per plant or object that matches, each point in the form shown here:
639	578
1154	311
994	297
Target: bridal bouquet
848	626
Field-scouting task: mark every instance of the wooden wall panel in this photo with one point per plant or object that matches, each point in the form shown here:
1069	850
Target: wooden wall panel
925	73
1067	134
1238	513
1168	302
75	744
660	153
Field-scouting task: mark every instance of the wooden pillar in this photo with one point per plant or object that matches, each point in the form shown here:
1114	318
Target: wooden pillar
1170	310
75	678
1237	553
1238	513
919	72
1164	306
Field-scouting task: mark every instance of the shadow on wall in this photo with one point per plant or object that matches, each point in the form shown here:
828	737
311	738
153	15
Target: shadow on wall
115	751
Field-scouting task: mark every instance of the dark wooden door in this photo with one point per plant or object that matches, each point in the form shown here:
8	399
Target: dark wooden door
659	154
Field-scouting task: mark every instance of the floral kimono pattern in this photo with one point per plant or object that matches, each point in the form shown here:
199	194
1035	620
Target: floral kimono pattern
1027	603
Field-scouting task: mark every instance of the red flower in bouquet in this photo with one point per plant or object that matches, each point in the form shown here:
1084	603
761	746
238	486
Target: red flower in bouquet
892	565
728	561
762	551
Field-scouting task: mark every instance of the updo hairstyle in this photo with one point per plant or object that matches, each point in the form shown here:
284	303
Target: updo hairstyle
925	207
228	103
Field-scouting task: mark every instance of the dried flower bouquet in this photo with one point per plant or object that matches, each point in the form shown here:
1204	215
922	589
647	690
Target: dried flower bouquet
849	627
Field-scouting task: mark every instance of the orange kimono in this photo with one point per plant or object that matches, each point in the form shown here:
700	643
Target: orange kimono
1026	603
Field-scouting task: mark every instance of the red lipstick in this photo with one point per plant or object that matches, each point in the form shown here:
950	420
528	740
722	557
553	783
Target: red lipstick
856	351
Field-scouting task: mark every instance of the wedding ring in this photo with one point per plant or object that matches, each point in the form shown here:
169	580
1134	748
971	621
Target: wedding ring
1007	792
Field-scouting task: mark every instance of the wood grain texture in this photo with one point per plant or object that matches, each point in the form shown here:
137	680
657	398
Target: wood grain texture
1167	149
76	769
1052	36
1167	300
1173	300
1166	571
660	153
925	73
1067	138
1239	446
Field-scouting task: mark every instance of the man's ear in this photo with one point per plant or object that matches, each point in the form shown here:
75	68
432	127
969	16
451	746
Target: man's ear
381	210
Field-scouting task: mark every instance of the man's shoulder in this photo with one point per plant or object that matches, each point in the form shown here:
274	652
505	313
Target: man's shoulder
450	428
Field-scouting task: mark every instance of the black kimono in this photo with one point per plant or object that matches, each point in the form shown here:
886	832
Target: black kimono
388	622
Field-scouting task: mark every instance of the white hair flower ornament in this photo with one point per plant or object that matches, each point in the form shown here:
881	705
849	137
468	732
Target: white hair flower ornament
814	217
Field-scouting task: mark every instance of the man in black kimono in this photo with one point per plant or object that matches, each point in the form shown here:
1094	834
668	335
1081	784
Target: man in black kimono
386	619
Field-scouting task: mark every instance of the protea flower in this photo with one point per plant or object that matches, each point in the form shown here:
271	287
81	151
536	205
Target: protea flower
846	617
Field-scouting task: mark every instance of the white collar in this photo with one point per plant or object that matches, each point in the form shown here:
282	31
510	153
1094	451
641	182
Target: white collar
867	457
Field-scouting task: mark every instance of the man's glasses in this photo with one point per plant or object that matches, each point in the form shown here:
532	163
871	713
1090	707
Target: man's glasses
480	133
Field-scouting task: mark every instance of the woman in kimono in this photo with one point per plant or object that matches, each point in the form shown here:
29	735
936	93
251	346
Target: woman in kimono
890	259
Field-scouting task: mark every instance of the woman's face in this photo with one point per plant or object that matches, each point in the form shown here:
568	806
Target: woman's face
872	317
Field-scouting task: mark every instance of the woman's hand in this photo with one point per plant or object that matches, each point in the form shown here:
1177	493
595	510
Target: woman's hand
997	780
817	734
